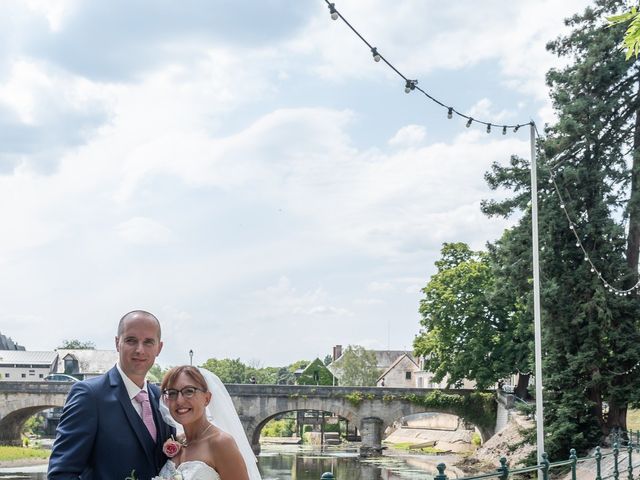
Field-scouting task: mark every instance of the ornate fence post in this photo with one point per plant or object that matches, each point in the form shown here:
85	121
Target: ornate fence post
616	472
598	456
630	459
503	469
441	475
574	463
545	466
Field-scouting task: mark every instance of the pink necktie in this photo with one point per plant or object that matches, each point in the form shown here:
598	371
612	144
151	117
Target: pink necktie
147	415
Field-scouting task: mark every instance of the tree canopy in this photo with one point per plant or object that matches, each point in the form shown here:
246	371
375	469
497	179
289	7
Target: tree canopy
358	367
631	40
75	344
467	332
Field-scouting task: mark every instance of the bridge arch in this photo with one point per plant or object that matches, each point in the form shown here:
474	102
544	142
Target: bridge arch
16	410
371	409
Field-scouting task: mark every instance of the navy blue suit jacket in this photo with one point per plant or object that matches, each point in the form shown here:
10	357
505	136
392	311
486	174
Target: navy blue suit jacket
102	437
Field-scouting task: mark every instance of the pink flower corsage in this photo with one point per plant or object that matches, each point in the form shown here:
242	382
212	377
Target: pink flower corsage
171	447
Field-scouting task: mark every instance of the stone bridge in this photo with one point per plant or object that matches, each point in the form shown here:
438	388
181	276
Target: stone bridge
372	409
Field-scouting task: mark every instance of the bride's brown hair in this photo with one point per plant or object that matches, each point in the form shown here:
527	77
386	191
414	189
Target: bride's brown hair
195	375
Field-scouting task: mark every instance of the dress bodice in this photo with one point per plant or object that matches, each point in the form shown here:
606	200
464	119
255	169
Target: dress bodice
190	470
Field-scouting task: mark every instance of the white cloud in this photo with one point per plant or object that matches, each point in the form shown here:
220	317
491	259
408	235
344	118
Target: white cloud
408	136
54	11
276	190
143	231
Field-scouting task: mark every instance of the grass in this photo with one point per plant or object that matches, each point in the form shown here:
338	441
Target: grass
20	453
407	445
633	419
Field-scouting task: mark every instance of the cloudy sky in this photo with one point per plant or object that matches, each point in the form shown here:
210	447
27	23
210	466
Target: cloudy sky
244	170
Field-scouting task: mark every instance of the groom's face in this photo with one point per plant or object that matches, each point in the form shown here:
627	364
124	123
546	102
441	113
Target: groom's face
138	346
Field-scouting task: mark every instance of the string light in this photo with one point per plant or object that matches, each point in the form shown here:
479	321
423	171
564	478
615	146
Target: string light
413	84
410	85
627	371
621	292
333	11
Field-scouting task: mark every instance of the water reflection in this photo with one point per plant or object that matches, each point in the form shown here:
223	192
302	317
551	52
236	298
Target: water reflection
306	463
300	463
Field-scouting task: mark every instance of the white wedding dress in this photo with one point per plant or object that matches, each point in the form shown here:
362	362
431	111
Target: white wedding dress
190	470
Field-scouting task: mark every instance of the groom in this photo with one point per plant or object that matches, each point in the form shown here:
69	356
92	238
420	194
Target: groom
110	424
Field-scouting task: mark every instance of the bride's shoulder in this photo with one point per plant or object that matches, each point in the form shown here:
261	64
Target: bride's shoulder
223	443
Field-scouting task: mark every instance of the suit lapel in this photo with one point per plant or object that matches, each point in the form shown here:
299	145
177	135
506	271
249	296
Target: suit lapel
136	423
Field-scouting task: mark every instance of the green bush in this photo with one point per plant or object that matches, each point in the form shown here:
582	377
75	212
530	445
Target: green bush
279	428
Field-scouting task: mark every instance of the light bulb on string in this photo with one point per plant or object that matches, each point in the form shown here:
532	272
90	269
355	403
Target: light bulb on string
515	129
410	85
376	55
333	11
469	122
450	113
488	128
504	130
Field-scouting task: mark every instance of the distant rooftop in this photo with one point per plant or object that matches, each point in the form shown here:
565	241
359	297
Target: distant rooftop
11	357
90	361
7	344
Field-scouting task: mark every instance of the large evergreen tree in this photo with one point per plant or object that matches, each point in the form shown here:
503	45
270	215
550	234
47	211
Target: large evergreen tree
588	199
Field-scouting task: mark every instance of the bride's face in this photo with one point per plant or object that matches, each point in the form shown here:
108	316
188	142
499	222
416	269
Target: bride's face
186	399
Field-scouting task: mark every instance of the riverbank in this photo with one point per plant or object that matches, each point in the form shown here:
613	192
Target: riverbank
23	462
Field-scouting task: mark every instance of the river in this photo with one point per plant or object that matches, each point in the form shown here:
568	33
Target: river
307	463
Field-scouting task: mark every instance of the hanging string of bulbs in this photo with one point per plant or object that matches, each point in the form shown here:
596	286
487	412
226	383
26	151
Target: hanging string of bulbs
412	84
573	227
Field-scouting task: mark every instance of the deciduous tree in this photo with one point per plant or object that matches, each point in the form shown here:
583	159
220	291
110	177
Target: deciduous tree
358	367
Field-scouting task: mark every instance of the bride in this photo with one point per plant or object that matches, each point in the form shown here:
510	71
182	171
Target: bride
215	446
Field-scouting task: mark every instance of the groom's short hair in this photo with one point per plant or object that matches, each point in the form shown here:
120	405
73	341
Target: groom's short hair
140	312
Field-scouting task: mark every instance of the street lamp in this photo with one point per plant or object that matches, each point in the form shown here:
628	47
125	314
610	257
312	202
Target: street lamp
536	302
190	357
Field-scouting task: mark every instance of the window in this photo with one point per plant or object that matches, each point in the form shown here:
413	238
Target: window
41	375
6	375
71	364
407	375
24	375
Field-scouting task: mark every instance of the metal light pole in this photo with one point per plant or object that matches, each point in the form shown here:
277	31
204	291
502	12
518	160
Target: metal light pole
190	357
536	301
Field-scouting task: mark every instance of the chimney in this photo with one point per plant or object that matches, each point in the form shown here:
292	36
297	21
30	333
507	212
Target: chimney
337	352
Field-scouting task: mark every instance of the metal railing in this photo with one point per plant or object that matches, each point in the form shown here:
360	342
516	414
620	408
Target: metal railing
622	455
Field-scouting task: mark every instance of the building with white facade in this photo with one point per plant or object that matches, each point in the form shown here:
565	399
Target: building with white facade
25	366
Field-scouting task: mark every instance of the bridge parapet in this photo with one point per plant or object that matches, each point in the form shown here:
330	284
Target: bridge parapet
372	409
325	391
35	387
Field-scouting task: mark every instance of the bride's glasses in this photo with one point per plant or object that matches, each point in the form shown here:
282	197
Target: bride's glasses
186	392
